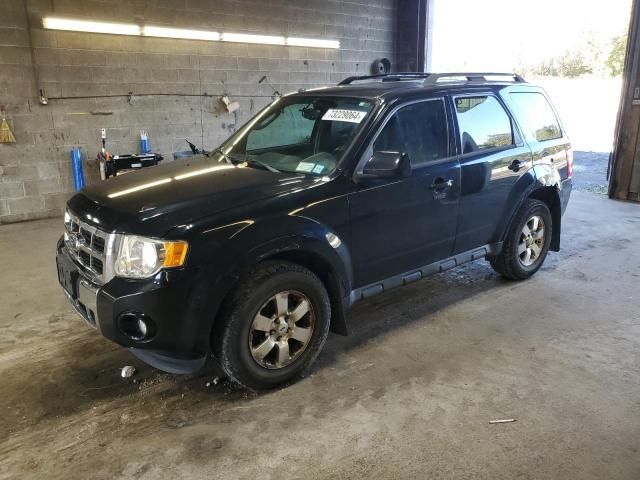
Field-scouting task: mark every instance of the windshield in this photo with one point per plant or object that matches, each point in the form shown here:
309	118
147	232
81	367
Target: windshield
306	135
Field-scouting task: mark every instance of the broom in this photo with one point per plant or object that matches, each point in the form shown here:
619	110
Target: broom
5	132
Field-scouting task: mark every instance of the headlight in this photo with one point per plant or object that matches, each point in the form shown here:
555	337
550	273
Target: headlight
140	257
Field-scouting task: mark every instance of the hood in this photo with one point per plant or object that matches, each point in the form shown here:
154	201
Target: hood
153	200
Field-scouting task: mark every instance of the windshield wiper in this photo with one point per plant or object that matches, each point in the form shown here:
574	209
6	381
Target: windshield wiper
253	161
248	161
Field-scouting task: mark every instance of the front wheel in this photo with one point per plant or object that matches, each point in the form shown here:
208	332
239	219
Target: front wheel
527	242
275	326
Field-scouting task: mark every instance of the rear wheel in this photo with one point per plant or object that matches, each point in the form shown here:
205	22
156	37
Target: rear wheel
275	326
527	242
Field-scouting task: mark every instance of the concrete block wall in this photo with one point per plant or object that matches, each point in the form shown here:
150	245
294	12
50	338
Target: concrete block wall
168	78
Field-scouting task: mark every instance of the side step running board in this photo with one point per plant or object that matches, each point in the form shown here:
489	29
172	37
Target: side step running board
422	272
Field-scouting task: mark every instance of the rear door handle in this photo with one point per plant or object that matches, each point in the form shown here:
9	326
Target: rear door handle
516	165
441	184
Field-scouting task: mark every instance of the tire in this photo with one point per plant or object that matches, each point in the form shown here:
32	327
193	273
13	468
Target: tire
250	341
514	263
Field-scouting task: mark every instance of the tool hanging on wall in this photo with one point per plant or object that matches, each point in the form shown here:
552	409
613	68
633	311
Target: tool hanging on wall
103	156
111	166
276	93
6	136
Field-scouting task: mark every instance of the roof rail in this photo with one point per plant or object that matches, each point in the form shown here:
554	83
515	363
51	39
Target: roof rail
434	78
386	77
473	77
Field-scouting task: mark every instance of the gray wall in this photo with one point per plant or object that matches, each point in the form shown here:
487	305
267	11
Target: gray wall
35	174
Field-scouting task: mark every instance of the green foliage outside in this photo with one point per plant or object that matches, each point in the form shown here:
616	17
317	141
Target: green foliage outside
615	61
599	58
570	64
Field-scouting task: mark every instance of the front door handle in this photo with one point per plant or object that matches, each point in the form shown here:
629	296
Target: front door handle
516	165
441	184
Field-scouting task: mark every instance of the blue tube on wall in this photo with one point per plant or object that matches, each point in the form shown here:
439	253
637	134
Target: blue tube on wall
76	168
80	170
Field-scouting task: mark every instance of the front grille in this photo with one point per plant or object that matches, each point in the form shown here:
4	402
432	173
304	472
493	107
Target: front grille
85	258
97	265
88	245
98	244
86	235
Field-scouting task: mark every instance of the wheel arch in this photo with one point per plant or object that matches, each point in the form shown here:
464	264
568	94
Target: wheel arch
547	193
550	196
325	272
332	266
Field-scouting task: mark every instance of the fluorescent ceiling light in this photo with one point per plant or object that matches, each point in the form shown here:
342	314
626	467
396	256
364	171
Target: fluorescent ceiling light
86	26
249	38
55	23
312	42
180	33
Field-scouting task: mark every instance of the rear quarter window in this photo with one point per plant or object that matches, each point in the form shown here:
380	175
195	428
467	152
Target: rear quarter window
536	116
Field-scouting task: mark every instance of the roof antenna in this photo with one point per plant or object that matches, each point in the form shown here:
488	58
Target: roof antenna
276	93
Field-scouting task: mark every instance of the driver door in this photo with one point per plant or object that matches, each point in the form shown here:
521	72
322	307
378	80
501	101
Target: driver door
403	223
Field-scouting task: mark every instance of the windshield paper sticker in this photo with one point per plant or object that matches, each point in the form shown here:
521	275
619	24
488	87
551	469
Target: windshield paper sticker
305	167
352	116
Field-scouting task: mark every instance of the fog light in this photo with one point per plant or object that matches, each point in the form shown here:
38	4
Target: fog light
136	326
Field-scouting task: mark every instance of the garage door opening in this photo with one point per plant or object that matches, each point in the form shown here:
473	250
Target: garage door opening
574	49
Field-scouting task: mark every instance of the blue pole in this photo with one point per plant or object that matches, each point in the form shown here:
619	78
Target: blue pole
80	169
76	168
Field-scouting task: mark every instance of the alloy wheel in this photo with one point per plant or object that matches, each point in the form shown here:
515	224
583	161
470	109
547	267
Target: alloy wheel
282	329
531	241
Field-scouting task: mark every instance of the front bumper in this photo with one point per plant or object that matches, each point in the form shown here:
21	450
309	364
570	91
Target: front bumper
179	340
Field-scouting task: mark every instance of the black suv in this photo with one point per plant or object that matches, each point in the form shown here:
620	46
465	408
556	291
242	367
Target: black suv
252	253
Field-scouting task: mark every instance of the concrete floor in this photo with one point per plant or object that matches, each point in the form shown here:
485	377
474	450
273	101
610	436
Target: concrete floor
408	395
591	171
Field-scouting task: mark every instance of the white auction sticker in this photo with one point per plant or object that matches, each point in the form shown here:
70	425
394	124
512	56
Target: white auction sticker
353	116
305	167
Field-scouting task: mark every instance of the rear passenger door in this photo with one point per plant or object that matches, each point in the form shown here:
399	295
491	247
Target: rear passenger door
493	157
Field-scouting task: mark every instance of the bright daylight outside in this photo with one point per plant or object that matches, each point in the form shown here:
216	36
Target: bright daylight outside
575	49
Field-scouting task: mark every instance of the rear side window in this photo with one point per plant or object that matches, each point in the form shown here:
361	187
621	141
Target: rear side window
536	115
483	122
419	130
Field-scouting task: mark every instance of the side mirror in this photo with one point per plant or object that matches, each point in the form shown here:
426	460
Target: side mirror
387	165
